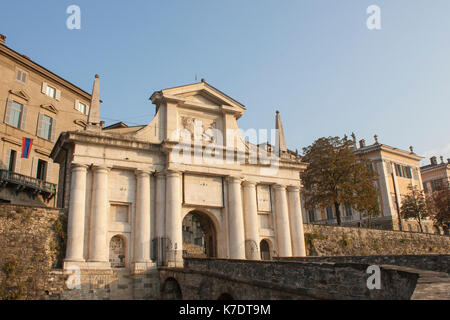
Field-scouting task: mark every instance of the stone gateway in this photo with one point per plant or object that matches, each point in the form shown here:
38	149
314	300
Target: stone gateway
141	197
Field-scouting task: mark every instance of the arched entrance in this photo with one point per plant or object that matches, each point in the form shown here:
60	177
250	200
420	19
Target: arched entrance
264	248
117	252
171	290
199	235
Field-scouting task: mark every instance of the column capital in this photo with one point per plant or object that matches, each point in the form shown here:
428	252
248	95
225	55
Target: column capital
101	167
78	167
279	187
172	173
142	172
234	179
293	188
249	184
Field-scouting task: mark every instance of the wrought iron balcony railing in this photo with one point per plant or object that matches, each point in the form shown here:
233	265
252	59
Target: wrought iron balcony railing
25	182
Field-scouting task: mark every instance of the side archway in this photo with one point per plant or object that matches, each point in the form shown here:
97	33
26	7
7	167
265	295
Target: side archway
264	248
118	252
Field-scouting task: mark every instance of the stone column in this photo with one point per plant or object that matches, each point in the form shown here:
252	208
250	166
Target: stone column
142	222
160	222
174	233
77	212
99	219
296	222
251	222
236	219
283	229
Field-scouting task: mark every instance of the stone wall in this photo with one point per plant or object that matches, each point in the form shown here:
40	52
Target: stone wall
324	240
244	279
31	246
433	262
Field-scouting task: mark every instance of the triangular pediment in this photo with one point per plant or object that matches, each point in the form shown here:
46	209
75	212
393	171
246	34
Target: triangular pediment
202	95
50	108
20	93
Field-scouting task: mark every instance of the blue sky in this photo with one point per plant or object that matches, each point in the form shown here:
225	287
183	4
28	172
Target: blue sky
314	60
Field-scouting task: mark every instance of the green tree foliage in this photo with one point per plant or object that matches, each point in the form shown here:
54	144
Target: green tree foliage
414	206
336	176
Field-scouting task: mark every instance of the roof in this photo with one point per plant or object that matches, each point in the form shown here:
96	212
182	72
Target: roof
42	70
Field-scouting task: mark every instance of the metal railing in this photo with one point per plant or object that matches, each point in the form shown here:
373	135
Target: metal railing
28	182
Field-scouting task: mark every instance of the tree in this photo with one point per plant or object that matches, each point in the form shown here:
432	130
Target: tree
336	176
439	205
415	206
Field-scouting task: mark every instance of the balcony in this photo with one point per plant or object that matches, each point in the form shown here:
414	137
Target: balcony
27	184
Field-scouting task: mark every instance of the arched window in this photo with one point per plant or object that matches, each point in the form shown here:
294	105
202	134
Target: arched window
265	250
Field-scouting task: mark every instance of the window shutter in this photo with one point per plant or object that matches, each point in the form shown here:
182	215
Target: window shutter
88	107
76	104
53	172
7	156
58	95
34	167
39	126
23	118
44	88
53	132
8	111
18	162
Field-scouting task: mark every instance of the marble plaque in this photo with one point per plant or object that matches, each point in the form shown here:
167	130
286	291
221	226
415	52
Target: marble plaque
264	202
203	190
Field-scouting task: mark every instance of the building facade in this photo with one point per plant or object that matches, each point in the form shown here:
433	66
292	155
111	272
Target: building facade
138	185
435	176
397	170
38	105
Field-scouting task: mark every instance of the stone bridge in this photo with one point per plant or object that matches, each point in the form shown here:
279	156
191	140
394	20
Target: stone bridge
210	279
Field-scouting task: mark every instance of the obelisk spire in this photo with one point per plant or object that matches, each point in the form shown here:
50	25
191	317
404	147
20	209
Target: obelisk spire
280	133
94	110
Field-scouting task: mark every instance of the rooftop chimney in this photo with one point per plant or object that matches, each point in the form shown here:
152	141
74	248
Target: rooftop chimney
2	39
448	160
442	159
362	143
433	161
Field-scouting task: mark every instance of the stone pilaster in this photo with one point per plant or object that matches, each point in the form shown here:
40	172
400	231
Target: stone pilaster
282	217
296	222
77	213
251	222
236	219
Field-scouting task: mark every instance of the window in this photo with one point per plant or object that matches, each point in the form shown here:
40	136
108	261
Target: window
44	126
311	215
119	212
21	76
16	114
81	107
348	210
403	171
330	215
51	92
12	161
426	229
436	185
41	170
418	228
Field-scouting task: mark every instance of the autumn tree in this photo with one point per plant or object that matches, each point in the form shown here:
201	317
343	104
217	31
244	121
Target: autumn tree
414	206
336	176
439	205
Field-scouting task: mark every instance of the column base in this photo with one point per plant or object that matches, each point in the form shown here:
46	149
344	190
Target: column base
141	267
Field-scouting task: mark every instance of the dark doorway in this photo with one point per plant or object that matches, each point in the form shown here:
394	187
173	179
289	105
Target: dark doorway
41	170
265	250
12	161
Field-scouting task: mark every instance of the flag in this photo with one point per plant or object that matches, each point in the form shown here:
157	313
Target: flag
26	147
